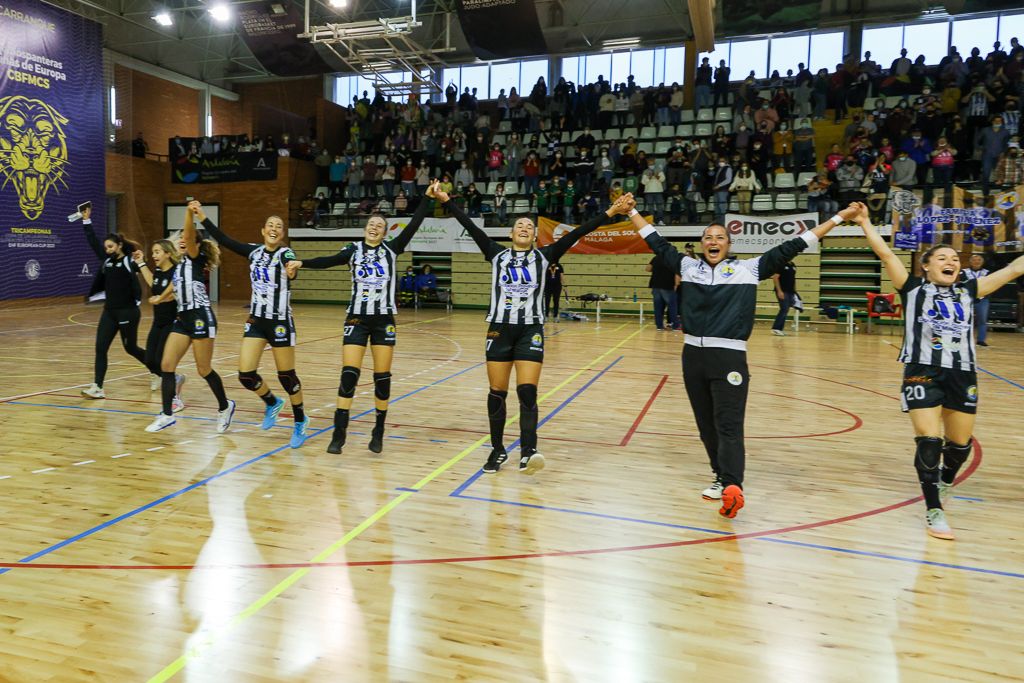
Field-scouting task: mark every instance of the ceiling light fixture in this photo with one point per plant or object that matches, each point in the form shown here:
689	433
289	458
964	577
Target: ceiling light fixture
620	43
220	12
338	4
163	18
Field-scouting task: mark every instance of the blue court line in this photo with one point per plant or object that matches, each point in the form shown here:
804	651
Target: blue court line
895	558
203	482
128	412
404	488
968	498
479	473
1008	381
771	539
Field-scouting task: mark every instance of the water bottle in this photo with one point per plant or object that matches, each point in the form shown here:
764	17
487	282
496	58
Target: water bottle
634	296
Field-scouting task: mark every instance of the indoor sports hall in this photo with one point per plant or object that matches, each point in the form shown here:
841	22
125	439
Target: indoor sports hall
380	340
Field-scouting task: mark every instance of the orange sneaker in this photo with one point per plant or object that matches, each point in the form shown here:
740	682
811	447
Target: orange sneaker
732	501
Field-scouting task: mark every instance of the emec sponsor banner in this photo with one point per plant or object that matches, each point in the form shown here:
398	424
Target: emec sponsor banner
758	234
51	148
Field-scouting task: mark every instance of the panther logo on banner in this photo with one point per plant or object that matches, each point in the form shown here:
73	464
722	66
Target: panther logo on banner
33	151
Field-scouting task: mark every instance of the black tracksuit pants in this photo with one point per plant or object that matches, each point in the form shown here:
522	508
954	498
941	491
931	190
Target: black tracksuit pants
717	382
115	321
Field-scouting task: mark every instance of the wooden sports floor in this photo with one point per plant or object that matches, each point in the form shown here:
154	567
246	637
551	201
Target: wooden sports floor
191	556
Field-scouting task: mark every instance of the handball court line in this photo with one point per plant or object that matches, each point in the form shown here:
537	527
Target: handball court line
214	635
142	508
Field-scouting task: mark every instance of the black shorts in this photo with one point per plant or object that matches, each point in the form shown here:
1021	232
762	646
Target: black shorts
198	323
928	386
276	332
507	342
379	330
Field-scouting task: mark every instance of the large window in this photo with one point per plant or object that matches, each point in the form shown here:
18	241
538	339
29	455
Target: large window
883	43
762	56
1010	26
490	79
930	40
648	67
530	72
968	33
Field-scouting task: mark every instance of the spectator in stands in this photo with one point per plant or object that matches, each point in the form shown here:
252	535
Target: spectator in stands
474	200
901	65
606	110
819	196
720	186
692	194
919	149
803	146
654	192
743	117
675	105
407	177
766	118
556	167
387	178
943	159
744	185
502	105
336	178
402	203
622	108
423	177
904	171
721	97
407	287
531	174
586	207
976	270
605	168
675	202
702	84
722	144
782	146
992	142
821	90
568	201
760	162
355	178
463	175
1010	167
785	292
495	162
500	203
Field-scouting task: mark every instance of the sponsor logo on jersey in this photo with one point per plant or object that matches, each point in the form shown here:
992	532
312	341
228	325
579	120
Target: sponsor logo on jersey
972	393
280	331
493	334
537	340
728	271
734	378
32	269
199	324
248	326
390	330
917	379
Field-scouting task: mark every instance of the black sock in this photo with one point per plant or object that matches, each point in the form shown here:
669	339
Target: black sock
298	412
217	387
268	398
167	385
340	423
496	416
527	418
379	426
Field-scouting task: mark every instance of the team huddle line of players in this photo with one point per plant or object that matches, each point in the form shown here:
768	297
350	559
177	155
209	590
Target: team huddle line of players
718	292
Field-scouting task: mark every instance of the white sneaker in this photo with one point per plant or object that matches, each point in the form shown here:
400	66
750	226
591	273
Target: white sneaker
938	527
713	492
161	422
778	333
224	417
154	383
177	405
94	391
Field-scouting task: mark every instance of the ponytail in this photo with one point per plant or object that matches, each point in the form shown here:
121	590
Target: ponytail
128	246
211	251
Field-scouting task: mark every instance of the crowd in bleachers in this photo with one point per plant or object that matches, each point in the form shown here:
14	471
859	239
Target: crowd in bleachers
748	146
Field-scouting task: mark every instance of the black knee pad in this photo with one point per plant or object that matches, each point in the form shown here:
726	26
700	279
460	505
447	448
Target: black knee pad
954	455
349	380
290	381
250	379
496	402
382	385
527	395
928	454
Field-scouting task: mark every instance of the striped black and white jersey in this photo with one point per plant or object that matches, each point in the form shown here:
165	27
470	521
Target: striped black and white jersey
939	324
971	274
271	288
190	283
374	268
518	278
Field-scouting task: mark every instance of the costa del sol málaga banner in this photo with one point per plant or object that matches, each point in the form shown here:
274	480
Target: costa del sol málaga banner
51	148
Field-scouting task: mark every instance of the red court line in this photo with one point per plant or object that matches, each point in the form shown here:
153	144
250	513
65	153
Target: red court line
971	468
643	411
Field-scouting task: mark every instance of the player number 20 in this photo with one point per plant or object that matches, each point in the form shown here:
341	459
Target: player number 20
914	392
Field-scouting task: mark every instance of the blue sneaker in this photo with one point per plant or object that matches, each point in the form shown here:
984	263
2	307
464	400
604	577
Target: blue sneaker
271	413
299	433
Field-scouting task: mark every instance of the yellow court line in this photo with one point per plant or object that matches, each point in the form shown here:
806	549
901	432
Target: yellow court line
198	650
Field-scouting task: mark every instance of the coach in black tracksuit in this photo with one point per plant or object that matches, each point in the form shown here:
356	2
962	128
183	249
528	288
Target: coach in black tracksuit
719	297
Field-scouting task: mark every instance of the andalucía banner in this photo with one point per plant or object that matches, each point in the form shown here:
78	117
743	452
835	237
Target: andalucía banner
617	238
51	148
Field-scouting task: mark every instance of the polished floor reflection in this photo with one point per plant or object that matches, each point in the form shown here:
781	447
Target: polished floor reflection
188	555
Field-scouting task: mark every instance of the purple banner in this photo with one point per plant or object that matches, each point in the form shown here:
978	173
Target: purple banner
272	40
498	29
51	148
